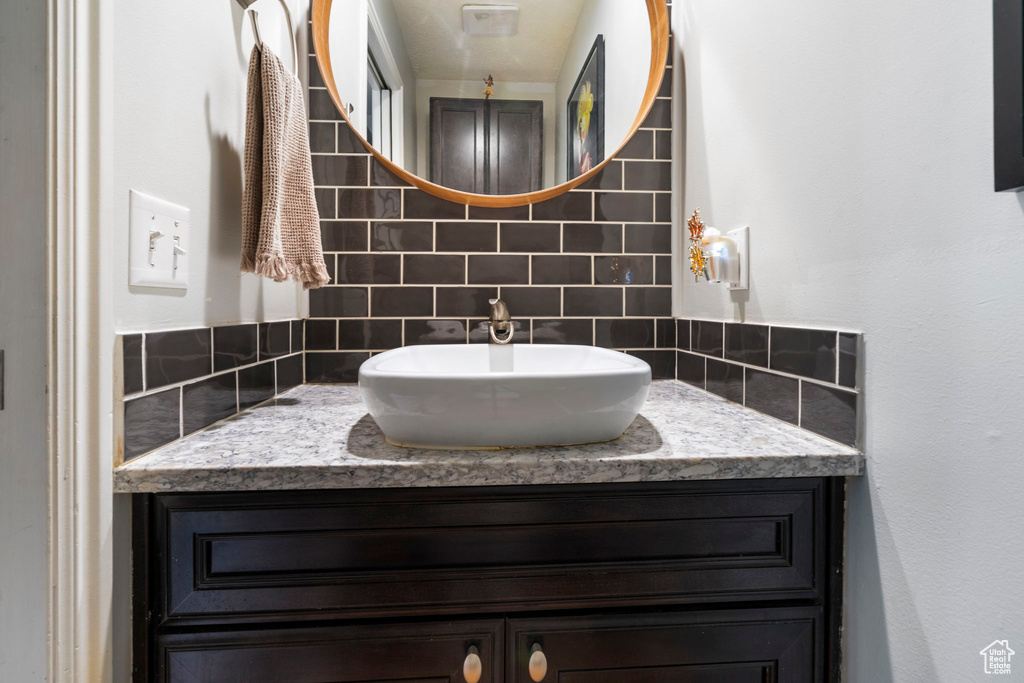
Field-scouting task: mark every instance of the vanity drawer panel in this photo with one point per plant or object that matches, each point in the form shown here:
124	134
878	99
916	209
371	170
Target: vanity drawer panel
228	557
432	652
779	644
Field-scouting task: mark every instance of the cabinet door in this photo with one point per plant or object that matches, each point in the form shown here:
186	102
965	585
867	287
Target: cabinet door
728	646
426	653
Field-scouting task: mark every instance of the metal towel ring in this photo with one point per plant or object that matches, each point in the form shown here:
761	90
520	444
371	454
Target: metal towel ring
254	18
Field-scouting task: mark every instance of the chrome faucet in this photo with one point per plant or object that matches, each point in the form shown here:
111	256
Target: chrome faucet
501	322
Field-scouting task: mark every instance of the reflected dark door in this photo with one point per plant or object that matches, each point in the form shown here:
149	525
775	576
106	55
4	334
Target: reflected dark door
487	146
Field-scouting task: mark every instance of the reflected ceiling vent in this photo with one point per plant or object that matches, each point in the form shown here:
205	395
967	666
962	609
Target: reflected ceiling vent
490	20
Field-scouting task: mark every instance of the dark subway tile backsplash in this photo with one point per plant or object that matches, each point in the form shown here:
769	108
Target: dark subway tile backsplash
344	235
809	353
419	204
571	206
498	270
747	343
465	302
624	333
653	301
591	238
435	332
706	337
467	237
132	363
592	302
640	146
369	203
401	236
256	353
561	270
690	368
539	258
773	395
624	206
326	202
608	178
369	269
848	353
275	339
566	331
356	335
321	133
825	403
321	335
531	237
648	175
234	346
599	251
683	334
662	362
623	270
831	412
380	176
331	169
177	356
289	372
434	269
333	368
665	333
207	401
531	302
338	302
725	379
499	213
150	421
255	385
648	239
402	302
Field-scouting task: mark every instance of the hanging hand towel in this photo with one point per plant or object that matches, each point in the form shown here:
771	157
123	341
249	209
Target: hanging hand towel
280	223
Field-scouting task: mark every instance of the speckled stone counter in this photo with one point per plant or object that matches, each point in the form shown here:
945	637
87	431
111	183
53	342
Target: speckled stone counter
321	437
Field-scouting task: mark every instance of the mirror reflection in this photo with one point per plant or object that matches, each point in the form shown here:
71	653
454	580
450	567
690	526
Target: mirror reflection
492	98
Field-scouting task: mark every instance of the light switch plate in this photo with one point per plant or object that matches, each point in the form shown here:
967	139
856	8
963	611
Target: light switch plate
158	242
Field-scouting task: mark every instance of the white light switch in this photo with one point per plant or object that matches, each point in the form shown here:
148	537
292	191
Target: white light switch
158	242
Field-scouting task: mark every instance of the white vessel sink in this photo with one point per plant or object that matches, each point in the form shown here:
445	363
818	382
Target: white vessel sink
493	396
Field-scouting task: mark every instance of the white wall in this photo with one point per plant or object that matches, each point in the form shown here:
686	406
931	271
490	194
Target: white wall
545	92
627	57
24	458
856	141
179	98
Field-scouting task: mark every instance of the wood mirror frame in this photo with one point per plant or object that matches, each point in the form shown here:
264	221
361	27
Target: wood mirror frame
658	13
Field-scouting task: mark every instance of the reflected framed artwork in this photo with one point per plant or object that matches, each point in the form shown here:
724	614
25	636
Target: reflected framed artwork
585	109
1008	91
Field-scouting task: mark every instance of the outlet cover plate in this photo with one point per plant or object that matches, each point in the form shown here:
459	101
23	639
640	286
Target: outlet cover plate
742	238
154	261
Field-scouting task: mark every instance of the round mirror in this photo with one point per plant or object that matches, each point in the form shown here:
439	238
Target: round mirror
497	104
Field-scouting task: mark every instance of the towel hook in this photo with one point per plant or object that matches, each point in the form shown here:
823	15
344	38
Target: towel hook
254	18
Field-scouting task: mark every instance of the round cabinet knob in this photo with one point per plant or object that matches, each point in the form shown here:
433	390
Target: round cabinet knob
472	668
538	663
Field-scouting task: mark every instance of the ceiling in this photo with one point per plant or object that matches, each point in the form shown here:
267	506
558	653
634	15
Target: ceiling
440	50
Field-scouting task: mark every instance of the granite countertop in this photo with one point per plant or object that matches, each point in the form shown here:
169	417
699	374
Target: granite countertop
321	437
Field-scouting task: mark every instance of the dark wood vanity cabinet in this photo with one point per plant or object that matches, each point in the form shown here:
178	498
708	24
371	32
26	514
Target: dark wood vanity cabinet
692	581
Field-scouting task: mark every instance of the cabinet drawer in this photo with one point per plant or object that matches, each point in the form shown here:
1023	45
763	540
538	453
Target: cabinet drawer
724	646
349	554
426	653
